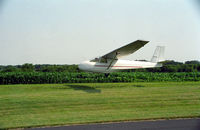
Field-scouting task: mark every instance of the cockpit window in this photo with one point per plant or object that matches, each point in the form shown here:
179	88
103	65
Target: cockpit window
103	60
100	60
95	60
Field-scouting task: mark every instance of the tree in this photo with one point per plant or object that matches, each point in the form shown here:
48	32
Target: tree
10	68
27	67
171	62
192	62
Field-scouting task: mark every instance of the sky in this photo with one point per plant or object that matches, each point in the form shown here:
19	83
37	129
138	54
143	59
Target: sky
71	31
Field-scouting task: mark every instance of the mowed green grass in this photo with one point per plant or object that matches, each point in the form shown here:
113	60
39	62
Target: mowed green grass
60	104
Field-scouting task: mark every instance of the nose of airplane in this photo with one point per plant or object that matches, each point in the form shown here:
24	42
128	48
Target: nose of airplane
81	66
84	66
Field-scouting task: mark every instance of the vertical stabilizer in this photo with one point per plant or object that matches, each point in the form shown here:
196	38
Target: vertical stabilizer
158	55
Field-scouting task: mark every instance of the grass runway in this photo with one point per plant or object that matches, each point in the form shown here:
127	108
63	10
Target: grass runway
63	104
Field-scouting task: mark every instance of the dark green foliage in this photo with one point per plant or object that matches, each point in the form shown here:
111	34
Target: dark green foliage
171	62
192	62
39	68
82	77
27	67
56	68
9	68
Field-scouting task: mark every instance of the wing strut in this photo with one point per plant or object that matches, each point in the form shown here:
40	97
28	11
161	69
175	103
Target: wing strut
112	60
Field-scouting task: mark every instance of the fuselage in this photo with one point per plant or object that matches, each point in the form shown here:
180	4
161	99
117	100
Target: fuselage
116	65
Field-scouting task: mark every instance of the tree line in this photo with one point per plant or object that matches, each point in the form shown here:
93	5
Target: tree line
168	66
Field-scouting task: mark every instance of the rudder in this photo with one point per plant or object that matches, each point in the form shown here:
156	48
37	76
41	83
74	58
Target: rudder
158	55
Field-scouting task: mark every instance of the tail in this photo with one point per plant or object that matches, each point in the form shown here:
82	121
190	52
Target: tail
158	55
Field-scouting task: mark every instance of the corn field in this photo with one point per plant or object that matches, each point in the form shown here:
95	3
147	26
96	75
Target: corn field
83	77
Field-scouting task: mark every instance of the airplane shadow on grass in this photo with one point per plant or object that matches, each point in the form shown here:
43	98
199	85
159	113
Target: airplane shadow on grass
84	88
138	86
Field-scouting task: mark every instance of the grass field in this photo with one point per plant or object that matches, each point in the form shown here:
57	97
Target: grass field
59	104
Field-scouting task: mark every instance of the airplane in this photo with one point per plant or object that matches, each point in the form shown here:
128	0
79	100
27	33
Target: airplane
111	62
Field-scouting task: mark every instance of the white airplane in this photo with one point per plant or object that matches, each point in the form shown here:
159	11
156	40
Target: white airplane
110	62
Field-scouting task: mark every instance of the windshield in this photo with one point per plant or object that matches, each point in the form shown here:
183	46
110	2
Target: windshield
100	60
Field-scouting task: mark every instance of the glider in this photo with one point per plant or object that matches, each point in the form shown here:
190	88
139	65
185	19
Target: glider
111	62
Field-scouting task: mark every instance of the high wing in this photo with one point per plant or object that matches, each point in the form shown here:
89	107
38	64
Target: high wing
125	50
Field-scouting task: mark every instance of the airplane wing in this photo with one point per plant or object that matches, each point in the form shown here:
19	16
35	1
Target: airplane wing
125	50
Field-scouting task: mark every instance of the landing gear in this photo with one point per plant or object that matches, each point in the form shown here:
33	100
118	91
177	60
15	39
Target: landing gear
106	74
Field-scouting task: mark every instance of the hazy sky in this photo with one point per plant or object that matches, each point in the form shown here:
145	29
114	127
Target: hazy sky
70	31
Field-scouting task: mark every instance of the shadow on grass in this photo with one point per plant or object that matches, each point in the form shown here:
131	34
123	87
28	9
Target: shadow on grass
84	88
138	86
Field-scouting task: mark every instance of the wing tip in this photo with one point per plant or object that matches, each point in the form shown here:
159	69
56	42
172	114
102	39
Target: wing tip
144	41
